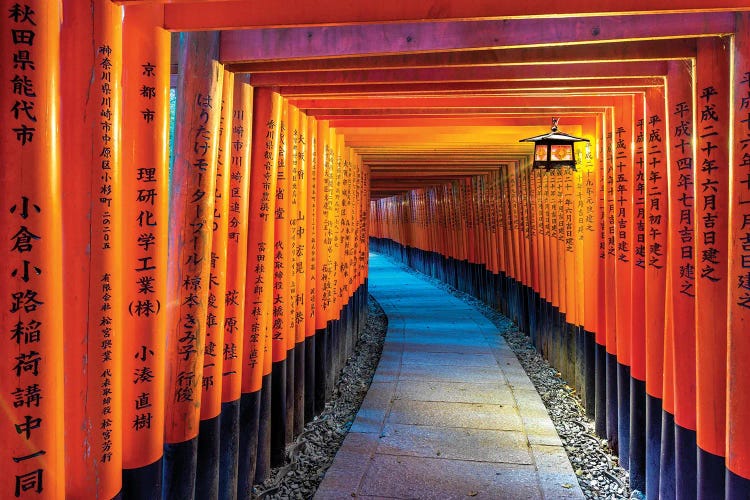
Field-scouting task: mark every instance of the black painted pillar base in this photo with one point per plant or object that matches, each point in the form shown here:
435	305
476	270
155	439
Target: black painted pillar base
623	415
589	348
666	463
600	390
207	471
229	448
143	483
179	469
299	388
612	402
685	457
711	473
278	412
321	345
263	457
290	396
737	486
247	446
637	434
653	445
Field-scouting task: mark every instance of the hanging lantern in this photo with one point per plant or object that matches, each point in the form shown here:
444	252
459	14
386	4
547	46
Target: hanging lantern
555	149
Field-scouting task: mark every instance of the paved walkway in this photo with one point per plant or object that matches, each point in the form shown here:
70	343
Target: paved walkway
450	412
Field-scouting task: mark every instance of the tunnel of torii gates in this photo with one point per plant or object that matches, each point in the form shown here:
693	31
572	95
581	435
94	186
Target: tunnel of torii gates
167	326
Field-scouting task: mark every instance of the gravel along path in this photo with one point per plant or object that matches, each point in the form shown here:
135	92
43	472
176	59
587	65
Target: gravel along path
312	453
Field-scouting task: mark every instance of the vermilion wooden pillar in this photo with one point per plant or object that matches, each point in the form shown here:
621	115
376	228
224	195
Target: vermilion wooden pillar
610	280
600	357
712	95
681	131
255	406
637	468
322	277
299	227
233	350
656	229
590	255
32	452
623	203
190	235
207	478
738	437
145	189
311	274
90	131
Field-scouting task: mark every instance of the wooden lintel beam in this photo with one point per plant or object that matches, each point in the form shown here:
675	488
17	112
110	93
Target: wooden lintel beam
345	125
448	102
339	41
237	14
533	72
640	50
440	88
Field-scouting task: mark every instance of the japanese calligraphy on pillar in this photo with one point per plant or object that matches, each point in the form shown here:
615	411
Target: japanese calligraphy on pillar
312	224
213	359
709	191
682	194
656	195
191	229
30	314
740	288
639	197
259	286
145	185
239	185
22	34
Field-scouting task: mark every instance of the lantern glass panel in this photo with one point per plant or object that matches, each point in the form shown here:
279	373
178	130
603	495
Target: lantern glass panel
540	152
561	152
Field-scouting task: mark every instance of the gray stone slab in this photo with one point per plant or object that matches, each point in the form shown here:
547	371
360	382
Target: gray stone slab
450	359
438	373
354	458
555	472
374	408
435	478
482	445
426	345
471	415
456	392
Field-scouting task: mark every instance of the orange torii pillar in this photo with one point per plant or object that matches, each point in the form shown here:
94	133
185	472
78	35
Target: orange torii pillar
600	352
207	476
298	228
190	236
234	299
90	131
311	280
145	190
33	452
610	279
681	263
255	404
712	96
590	257
658	442
738	437
623	201
280	428
637	468
322	204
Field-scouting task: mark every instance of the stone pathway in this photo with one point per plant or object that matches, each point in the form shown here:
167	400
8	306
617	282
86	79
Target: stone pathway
450	412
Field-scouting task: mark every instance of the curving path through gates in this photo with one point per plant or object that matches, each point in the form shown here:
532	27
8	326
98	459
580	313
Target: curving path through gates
450	412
